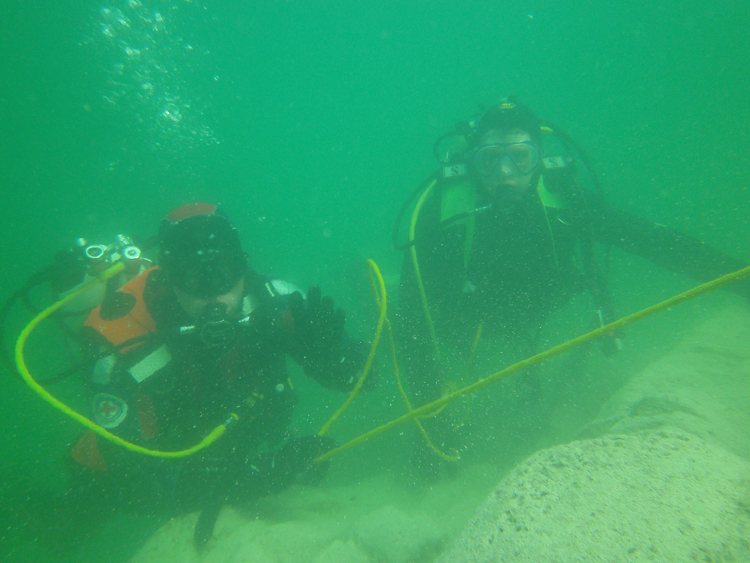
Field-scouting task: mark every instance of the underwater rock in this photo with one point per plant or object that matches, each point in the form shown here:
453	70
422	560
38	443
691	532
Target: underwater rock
659	496
700	387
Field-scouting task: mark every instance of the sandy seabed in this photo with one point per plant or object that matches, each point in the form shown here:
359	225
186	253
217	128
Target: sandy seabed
661	474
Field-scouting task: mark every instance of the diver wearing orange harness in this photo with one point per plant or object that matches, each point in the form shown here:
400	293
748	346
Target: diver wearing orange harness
180	347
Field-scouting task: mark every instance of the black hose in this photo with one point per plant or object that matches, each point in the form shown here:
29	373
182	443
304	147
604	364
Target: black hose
573	147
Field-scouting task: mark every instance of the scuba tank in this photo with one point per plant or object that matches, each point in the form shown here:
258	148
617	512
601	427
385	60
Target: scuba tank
80	264
71	269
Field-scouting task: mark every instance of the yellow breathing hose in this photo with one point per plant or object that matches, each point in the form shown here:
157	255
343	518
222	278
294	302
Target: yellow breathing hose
448	457
217	432
110	272
382	304
415	263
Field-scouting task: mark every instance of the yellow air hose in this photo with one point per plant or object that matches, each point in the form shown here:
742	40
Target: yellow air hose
448	457
382	304
110	272
417	272
217	432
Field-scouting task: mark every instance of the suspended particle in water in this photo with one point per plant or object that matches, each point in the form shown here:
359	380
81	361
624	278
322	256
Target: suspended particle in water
114	18
107	30
158	22
171	113
132	53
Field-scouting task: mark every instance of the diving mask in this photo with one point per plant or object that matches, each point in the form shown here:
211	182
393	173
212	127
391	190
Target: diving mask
517	158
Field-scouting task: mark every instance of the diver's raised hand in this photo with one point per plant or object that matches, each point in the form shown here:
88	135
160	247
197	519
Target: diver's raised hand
318	328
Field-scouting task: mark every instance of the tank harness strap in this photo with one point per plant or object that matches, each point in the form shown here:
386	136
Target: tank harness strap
461	198
136	322
550	200
86	452
132	324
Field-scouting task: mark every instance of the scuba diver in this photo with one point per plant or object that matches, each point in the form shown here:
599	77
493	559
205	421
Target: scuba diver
183	347
504	234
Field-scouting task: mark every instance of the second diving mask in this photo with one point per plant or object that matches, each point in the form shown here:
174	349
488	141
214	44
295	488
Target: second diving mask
518	158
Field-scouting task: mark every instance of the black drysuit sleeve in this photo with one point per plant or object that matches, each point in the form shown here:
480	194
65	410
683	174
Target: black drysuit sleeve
664	246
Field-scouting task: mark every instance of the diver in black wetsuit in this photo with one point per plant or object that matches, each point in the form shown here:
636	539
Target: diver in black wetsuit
197	342
503	235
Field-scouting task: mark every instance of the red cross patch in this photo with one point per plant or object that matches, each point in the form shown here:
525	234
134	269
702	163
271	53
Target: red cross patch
109	411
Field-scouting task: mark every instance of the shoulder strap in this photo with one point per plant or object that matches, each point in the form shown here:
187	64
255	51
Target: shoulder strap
137	321
550	199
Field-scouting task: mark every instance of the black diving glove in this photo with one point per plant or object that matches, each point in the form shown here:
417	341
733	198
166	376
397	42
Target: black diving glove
294	462
318	328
